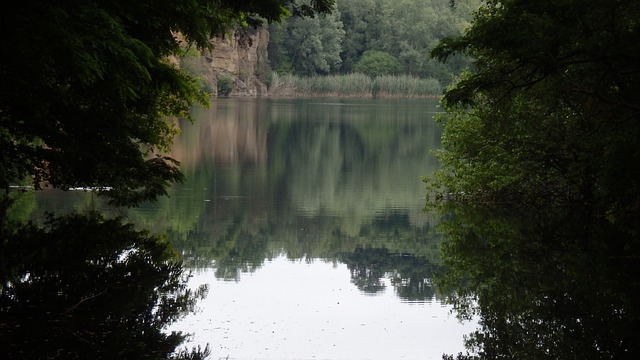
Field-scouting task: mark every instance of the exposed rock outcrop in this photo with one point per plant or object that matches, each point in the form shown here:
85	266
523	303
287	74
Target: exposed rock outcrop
241	59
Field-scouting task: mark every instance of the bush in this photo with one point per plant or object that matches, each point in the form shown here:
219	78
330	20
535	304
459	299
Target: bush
225	84
377	63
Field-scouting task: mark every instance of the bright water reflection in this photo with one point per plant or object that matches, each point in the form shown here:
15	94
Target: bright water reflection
311	310
330	181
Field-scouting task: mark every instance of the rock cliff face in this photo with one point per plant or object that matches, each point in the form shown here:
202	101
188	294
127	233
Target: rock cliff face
242	59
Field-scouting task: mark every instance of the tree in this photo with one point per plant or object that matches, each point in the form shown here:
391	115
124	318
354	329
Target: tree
407	29
377	63
360	20
307	46
550	113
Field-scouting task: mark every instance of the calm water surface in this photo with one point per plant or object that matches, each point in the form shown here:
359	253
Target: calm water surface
305	219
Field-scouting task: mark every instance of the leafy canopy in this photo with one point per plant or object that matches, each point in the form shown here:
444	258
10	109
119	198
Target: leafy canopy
307	46
550	112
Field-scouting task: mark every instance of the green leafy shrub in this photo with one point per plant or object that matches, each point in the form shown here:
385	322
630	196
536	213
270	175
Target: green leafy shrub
225	84
377	63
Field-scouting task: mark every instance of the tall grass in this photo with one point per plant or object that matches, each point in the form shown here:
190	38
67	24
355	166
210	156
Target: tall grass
353	85
405	86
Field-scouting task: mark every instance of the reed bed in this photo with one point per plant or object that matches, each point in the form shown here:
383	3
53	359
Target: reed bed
353	85
405	86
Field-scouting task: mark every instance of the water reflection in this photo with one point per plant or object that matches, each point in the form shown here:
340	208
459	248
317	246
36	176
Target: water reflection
320	183
82	287
312	179
301	309
547	283
270	182
411	276
330	170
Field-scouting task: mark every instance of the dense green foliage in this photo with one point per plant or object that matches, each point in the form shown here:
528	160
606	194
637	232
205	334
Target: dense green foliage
407	30
307	46
552	112
540	177
377	63
225	84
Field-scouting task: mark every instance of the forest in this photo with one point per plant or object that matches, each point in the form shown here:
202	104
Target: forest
373	37
369	48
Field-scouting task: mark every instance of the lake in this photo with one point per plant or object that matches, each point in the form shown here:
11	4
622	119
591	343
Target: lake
305	219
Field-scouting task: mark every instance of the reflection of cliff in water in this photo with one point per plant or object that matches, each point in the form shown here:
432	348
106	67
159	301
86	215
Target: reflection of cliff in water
318	158
224	135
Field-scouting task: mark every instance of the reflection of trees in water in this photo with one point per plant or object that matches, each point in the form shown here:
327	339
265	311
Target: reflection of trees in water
391	222
412	278
342	166
352	160
408	255
319	157
328	172
231	247
548	283
410	275
367	267
88	288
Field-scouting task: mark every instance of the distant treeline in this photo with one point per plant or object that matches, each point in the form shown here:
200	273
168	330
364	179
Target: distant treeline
373	37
